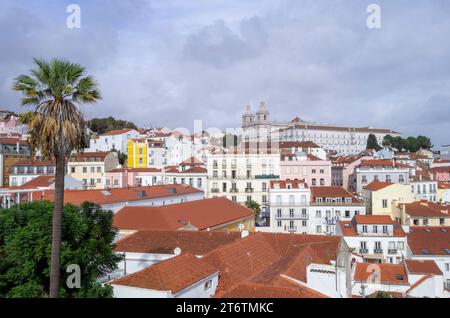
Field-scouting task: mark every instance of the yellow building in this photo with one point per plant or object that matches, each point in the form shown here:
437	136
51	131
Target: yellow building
443	192
424	213
137	153
383	198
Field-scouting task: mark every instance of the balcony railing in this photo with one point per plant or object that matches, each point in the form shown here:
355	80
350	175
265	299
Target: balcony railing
294	216
392	251
215	190
378	251
234	190
249	190
363	250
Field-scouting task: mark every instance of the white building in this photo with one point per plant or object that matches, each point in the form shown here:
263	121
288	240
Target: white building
112	140
289	206
242	176
431	243
343	140
375	238
329	205
194	279
383	171
26	170
196	177
424	188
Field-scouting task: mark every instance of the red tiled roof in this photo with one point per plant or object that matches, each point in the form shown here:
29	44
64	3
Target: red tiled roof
34	163
427	209
374	219
424	241
348	229
383	163
174	274
422	267
202	214
295	184
251	290
195	170
440	169
13	141
39	182
192	161
393	274
332	192
443	185
262	258
117	195
87	155
377	185
117	132
164	242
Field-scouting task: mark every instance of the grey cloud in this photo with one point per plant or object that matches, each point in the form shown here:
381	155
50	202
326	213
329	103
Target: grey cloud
218	45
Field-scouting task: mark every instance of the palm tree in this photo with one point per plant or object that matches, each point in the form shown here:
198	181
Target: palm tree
57	128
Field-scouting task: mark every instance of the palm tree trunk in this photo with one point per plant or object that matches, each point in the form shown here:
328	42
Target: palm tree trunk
55	263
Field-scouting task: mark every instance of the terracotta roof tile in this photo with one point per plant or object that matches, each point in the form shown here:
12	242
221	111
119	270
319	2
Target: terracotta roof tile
202	214
427	209
425	241
332	192
164	242
393	274
174	274
117	195
39	182
251	290
422	267
117	132
377	185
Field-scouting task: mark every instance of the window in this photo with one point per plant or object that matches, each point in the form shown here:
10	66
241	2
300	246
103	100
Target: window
92	169
364	179
347	214
84	169
208	284
304	223
99	180
447	267
425	221
385	229
385	203
322	171
322	182
388	178
314	182
318	214
364	228
291	213
362	246
401	179
377	247
99	169
233	198
375	229
141	161
279	223
72	169
116	182
92	182
319	229
199	182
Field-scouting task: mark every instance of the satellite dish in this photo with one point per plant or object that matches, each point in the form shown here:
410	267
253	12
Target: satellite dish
177	251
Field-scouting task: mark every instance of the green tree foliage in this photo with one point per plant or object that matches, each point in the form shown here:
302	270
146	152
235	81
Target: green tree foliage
372	143
25	249
410	144
253	205
102	125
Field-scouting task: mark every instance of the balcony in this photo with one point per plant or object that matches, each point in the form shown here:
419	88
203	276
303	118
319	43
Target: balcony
267	176
331	220
392	251
249	190
294	216
215	190
234	190
378	251
363	251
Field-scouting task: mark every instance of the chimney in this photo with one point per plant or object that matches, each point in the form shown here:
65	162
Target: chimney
403	214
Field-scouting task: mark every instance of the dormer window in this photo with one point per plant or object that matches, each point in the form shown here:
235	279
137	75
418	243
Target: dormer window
319	200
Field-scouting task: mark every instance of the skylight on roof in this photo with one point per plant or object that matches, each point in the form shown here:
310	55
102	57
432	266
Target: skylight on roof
347	225
447	250
106	193
399	277
425	251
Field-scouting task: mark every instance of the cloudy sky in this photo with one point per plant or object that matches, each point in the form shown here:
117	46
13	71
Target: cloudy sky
170	62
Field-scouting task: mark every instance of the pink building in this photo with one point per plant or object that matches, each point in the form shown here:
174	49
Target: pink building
314	171
343	171
131	177
441	174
